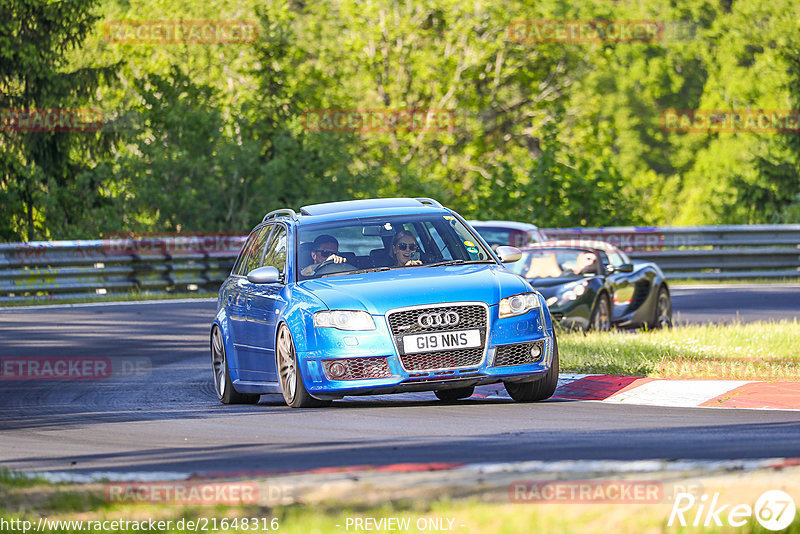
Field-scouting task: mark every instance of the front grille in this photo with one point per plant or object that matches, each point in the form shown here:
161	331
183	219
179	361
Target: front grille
359	368
405	321
449	359
517	354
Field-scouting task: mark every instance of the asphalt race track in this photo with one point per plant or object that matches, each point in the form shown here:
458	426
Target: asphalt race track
730	303
157	412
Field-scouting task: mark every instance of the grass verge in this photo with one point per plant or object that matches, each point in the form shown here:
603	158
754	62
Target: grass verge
738	351
82	508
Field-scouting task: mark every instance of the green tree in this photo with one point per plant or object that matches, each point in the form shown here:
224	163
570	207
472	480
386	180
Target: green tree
43	183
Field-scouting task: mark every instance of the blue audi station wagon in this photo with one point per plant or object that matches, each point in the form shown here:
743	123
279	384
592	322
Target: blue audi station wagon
377	296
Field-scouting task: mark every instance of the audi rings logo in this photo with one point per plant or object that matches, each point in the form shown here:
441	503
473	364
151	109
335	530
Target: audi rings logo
430	320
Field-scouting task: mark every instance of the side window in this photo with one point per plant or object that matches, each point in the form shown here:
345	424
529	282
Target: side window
276	253
238	267
616	259
253	260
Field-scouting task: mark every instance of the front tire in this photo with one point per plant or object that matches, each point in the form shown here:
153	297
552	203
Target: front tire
541	389
601	315
663	314
292	387
454	394
222	374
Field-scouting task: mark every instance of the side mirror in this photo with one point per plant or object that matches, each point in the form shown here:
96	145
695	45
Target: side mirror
624	268
508	254
264	275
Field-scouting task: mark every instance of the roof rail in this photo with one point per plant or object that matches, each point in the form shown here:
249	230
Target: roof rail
280	213
428	202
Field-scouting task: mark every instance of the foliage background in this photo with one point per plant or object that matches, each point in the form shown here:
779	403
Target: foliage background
209	137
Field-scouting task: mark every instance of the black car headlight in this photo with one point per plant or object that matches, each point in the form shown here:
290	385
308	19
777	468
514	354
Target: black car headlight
574	291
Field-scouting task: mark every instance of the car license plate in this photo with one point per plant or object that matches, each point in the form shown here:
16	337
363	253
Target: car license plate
434	341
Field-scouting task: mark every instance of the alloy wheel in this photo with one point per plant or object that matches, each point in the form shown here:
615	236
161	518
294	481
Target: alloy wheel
286	365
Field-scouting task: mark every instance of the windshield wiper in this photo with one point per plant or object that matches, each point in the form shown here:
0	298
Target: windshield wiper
455	262
358	271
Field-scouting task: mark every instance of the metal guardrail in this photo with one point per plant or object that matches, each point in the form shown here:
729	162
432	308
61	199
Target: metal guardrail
704	252
55	270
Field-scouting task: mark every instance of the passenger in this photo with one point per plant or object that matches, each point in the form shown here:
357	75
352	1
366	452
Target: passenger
325	248
404	245
585	264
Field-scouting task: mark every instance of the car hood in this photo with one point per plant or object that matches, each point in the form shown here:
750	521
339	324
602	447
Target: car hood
378	292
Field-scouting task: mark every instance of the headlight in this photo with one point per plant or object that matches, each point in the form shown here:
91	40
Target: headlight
344	320
518	304
575	291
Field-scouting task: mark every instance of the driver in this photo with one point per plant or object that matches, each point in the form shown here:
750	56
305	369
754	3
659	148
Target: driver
325	249
585	264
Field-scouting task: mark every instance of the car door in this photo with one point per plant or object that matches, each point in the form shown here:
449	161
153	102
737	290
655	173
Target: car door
265	304
621	287
234	291
246	338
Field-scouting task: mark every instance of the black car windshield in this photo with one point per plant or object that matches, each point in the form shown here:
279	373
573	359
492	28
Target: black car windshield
377	244
555	263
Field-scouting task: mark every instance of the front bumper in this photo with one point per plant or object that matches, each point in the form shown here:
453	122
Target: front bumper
503	334
572	314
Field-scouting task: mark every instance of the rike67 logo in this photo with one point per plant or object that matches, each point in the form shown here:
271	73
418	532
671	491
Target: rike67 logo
774	510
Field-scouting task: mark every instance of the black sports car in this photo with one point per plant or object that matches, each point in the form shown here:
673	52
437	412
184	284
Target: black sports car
595	286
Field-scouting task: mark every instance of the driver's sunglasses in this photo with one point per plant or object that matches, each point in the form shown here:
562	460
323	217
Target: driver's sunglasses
324	253
410	246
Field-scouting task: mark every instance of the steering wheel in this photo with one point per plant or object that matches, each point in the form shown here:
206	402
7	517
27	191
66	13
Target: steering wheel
330	267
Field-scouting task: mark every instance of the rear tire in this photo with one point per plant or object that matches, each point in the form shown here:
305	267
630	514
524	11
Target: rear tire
663	314
292	387
222	374
601	315
540	389
454	394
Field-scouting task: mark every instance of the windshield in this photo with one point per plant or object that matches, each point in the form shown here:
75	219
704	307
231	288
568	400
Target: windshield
556	263
397	242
